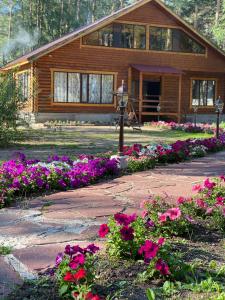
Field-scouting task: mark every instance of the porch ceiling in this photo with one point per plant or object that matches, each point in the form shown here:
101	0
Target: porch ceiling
156	69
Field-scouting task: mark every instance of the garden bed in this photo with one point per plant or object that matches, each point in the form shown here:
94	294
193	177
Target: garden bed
169	252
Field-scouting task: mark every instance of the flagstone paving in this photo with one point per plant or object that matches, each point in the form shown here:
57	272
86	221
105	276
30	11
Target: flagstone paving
39	229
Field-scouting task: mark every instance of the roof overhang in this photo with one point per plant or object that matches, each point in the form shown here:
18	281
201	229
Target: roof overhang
156	69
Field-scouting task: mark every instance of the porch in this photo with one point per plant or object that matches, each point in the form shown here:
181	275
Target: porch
155	86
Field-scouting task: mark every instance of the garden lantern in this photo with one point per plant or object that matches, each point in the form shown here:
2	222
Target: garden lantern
122	99
219	105
158	110
195	109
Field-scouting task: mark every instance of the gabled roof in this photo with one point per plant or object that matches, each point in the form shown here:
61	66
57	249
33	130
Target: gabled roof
35	54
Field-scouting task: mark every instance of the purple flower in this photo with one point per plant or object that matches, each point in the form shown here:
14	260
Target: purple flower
59	259
127	233
92	248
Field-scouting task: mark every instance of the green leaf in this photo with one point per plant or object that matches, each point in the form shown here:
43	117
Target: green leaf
150	294
63	289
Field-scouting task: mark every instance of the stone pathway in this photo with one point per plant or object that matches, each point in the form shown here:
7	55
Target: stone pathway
39	229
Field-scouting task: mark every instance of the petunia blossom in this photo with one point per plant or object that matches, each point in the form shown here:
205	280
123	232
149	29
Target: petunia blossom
162	267
127	233
103	230
81	274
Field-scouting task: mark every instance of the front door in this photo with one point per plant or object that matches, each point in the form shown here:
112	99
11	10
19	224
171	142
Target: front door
151	95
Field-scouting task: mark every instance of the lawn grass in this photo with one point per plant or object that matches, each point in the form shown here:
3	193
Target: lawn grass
87	139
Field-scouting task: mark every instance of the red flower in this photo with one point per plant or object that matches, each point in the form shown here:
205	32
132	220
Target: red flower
91	296
103	231
162	267
80	274
150	250
69	277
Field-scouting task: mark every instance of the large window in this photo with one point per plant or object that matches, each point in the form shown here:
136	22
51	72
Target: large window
24	84
83	88
118	35
203	92
171	39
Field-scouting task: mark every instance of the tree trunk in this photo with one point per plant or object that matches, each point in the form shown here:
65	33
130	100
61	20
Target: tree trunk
218	6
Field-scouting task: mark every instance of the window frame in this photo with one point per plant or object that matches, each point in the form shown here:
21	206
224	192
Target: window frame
29	82
88	72
203	79
147	44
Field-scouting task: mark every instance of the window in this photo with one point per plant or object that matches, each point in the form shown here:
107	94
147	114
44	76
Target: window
24	84
118	35
76	87
171	39
203	92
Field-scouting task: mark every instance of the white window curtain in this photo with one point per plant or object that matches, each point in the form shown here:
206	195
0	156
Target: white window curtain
74	87
60	87
84	88
107	89
94	88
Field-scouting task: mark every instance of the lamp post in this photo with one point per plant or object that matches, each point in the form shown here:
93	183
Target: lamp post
158	110
195	109
122	99
219	109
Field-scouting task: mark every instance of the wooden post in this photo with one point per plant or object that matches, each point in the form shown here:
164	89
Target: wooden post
140	95
129	88
179	98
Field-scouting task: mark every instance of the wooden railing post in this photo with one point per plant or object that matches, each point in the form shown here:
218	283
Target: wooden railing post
140	96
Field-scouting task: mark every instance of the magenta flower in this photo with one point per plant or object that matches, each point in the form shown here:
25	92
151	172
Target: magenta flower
197	188
149	249
123	219
208	184
127	233
162	267
181	200
220	201
77	261
103	230
161	241
209	210
162	217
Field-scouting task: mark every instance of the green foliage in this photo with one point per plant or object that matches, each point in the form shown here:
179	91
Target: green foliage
140	164
5	250
10	104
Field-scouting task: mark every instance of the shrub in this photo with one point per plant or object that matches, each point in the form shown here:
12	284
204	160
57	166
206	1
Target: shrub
140	164
10	104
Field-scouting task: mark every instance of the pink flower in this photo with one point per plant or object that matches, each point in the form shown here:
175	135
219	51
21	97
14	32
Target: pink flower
127	233
220	201
78	260
103	230
209	211
59	259
222	177
197	188
174	213
201	203
162	267
161	241
162	217
208	184
144	214
181	200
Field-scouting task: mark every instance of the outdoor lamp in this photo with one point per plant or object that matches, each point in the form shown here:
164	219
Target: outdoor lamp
219	105
158	110
122	98
195	109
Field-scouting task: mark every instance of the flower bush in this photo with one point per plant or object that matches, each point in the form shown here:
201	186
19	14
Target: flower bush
19	177
186	127
75	274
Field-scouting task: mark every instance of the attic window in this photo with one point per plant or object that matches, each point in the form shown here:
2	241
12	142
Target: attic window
118	35
173	39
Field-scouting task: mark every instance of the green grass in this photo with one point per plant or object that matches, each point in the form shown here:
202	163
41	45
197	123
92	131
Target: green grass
90	140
